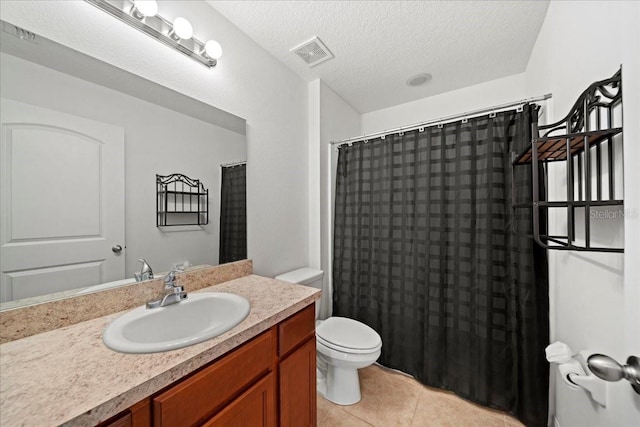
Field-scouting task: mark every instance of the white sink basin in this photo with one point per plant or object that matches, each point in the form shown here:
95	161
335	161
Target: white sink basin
198	318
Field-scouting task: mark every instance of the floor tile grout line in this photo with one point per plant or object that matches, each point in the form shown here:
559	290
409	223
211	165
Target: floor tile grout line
415	410
486	410
363	420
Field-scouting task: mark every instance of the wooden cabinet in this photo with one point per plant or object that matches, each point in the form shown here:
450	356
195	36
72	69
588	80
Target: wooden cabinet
256	407
297	369
298	387
121	420
139	415
197	398
296	329
269	381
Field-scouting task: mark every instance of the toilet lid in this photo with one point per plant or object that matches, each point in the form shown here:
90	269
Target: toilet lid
348	334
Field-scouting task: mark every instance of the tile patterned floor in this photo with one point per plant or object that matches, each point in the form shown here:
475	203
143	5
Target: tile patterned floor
390	399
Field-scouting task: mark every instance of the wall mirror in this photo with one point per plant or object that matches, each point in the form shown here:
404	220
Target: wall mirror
82	143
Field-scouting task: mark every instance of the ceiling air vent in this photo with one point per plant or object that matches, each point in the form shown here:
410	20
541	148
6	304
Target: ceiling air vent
21	33
313	52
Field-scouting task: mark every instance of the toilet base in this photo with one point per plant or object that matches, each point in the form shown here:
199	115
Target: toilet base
342	386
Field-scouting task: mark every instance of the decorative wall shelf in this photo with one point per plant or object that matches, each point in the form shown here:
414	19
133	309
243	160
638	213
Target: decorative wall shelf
554	148
587	142
181	200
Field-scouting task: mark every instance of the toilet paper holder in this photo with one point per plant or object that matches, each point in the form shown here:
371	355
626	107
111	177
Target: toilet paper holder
576	377
586	370
602	367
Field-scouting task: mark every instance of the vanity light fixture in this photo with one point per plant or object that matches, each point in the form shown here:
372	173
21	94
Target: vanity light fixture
143	15
144	8
212	49
182	29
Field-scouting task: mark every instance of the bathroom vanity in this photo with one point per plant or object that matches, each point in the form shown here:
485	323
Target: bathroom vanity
262	372
270	377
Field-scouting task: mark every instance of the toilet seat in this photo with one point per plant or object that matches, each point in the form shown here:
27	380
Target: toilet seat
348	336
348	350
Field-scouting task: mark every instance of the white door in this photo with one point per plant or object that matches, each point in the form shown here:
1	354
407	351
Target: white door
61	201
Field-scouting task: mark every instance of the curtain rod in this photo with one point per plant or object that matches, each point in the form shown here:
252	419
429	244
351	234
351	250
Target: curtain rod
468	114
228	165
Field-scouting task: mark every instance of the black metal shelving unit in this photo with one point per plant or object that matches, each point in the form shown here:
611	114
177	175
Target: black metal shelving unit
587	141
181	200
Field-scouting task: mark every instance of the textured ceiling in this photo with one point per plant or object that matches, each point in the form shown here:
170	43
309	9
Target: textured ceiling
378	45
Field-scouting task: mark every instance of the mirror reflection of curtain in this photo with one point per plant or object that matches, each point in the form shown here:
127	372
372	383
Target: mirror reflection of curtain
233	213
424	253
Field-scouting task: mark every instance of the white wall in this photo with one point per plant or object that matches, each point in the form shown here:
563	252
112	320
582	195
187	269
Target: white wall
470	98
330	118
338	120
315	183
157	140
590	290
247	82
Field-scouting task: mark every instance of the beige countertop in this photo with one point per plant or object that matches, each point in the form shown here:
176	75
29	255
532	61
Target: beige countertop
68	376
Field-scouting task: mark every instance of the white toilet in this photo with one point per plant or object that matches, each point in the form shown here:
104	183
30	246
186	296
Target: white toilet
343	346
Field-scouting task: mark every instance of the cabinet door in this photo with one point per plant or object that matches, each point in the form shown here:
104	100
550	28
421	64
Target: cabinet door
203	394
298	387
256	407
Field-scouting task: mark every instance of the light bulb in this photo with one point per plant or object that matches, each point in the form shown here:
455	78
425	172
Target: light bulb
145	8
182	28
213	49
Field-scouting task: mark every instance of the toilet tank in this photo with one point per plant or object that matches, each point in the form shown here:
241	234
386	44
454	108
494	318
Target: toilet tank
305	276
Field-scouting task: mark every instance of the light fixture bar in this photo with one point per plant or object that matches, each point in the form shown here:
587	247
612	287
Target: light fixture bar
156	27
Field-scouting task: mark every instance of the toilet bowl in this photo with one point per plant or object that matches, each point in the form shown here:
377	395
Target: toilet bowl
343	346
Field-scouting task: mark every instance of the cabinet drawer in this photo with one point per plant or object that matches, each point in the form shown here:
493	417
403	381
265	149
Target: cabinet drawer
138	415
256	407
120	420
200	396
296	329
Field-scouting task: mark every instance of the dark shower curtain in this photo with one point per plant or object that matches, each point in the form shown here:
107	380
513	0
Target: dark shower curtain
233	214
425	254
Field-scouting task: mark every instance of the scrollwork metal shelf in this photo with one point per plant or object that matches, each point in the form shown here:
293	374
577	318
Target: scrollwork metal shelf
588	140
181	200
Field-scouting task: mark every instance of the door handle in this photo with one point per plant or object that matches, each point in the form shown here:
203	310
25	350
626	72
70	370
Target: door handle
116	249
608	369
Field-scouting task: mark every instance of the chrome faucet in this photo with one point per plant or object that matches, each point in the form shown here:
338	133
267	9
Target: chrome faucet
173	293
146	272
